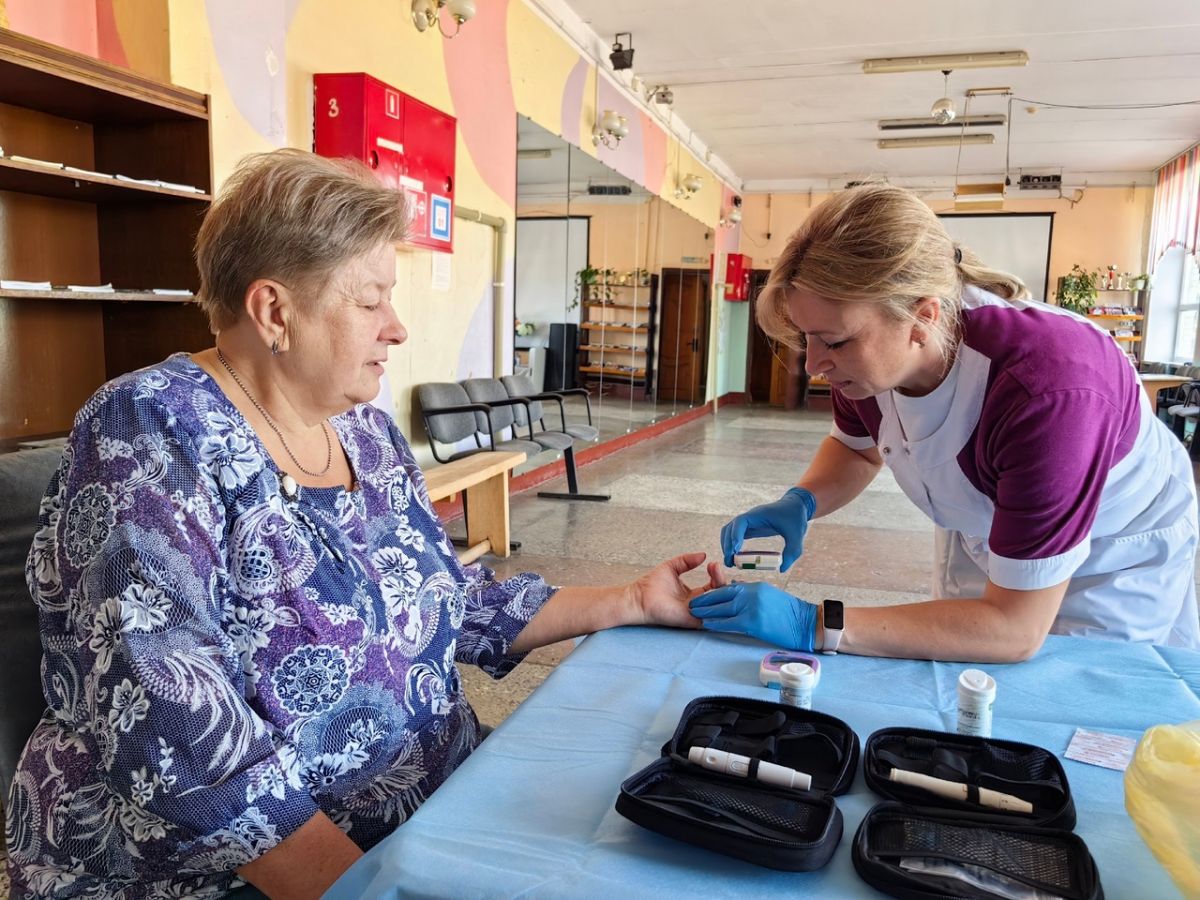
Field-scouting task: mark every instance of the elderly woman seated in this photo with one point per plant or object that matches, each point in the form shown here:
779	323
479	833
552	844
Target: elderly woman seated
251	617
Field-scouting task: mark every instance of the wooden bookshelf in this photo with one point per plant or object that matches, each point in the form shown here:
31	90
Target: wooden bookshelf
635	307
87	228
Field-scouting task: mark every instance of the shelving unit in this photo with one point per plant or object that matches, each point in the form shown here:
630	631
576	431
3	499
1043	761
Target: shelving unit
89	228
618	327
1133	322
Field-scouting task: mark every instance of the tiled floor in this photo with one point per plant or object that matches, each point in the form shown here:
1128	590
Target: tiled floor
672	494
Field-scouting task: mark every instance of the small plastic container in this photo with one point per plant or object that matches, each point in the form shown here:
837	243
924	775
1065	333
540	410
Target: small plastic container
796	683
768	669
757	559
976	697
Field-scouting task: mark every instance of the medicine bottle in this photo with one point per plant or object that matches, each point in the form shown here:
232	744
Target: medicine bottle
976	696
796	682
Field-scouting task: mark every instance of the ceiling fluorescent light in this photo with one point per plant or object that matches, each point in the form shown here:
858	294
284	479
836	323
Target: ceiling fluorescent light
891	64
989	92
983	121
535	154
941	140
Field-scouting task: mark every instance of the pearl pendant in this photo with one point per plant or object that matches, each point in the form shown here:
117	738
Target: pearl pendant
288	486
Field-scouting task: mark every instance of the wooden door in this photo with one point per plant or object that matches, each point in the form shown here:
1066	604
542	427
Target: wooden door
760	361
683	347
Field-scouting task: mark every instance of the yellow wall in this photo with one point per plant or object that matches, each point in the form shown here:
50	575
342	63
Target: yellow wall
1108	226
263	99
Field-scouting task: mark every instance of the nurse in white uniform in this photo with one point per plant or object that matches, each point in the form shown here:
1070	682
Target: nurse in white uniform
1062	504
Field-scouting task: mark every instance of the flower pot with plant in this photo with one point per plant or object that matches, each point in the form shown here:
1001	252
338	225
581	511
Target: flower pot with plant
1077	290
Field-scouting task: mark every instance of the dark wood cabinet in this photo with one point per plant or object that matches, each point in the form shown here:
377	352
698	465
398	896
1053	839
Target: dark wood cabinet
76	123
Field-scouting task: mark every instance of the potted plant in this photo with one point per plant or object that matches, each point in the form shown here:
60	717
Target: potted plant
585	279
1077	290
1139	282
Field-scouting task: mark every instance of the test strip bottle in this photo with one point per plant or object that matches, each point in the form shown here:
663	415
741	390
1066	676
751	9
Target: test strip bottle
796	683
976	696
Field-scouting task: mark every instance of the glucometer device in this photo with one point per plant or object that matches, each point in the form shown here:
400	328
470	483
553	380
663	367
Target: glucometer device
768	670
758	559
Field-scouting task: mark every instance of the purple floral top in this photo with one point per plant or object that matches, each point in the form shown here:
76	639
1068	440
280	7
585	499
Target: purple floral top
221	661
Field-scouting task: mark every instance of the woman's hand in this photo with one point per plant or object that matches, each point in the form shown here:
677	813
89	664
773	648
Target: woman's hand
787	517
660	597
760	610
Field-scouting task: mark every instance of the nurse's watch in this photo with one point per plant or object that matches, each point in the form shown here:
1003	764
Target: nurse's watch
833	621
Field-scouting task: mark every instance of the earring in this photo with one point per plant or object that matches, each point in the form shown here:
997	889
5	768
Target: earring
275	347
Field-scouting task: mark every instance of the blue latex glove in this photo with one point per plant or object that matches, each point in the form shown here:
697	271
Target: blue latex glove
787	517
760	610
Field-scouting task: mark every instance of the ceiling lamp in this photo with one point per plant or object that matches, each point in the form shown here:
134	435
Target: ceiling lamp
941	140
622	58
939	63
943	112
610	129
734	216
426	14
688	185
923	122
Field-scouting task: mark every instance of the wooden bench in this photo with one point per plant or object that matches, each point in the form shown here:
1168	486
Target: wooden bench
483	479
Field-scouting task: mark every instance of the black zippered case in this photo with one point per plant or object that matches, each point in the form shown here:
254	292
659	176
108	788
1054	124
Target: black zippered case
776	827
921	844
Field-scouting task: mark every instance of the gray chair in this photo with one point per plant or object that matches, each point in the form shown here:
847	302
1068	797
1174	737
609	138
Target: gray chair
526	412
451	416
24	476
522	386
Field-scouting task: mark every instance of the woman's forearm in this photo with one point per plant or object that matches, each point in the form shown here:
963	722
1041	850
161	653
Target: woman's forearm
573	611
1001	626
838	474
305	864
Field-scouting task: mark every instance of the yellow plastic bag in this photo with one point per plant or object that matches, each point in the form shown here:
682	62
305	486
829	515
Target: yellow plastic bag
1162	796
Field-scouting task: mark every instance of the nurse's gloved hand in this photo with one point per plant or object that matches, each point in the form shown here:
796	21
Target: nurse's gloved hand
760	610
787	517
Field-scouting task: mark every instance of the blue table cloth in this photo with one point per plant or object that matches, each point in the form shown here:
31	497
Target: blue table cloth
530	813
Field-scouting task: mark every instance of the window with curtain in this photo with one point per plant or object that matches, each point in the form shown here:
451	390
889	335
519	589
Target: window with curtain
1173	333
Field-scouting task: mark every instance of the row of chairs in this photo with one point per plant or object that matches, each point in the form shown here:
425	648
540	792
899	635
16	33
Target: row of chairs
486	409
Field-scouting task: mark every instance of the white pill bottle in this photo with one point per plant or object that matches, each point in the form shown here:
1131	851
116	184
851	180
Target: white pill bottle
976	697
796	683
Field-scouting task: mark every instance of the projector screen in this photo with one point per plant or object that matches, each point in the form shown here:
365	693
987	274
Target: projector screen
1018	243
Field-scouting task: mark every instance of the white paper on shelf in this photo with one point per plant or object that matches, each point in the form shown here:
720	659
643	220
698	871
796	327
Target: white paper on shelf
37	162
9	284
75	170
149	182
91	288
172	292
188	188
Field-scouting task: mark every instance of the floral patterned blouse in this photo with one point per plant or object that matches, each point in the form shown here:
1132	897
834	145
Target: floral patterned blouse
222	661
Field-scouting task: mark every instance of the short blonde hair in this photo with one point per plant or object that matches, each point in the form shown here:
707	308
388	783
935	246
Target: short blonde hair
292	216
877	244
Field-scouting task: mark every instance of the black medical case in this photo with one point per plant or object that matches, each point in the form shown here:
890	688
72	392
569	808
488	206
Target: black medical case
902	842
776	827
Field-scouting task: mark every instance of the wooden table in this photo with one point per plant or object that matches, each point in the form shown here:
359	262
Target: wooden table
1155	383
483	480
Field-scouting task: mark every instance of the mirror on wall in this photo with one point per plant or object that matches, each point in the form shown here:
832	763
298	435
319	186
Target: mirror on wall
611	290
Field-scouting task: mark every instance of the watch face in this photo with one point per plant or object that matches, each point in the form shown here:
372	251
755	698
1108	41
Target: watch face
833	614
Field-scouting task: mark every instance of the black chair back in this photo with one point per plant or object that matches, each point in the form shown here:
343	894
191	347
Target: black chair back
24	476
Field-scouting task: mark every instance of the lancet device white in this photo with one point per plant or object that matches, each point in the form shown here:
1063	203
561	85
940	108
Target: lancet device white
744	767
